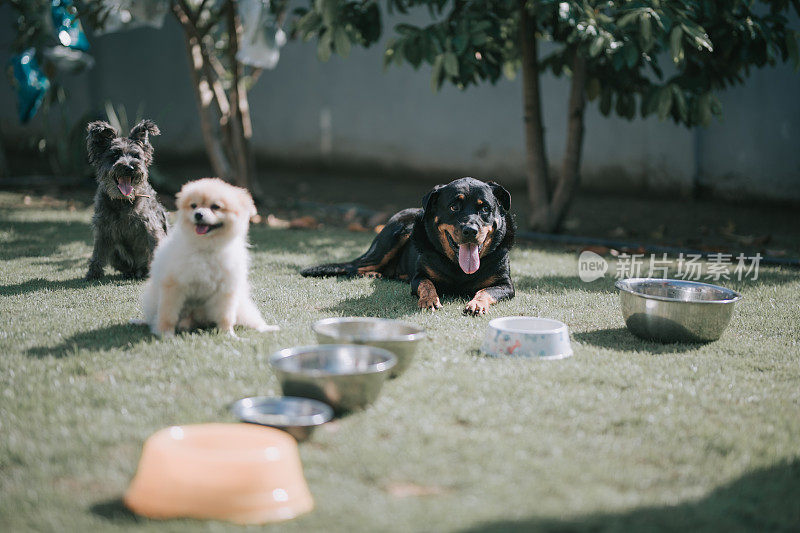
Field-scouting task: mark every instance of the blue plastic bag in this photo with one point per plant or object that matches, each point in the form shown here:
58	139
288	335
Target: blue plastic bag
31	84
68	28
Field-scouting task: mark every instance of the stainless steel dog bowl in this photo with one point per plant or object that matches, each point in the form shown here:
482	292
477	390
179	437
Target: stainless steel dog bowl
297	416
345	376
671	310
400	338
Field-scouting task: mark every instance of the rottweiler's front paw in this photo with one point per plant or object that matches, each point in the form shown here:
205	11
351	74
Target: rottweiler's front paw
480	304
476	307
429	302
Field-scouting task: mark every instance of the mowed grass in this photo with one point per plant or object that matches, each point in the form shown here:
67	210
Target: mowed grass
626	435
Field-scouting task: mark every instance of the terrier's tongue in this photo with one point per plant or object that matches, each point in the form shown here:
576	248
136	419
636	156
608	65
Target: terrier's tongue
202	229
468	258
124	186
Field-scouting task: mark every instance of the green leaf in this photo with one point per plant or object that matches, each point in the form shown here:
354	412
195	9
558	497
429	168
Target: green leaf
792	49
606	101
413	52
631	52
628	18
460	43
597	46
328	10
324	46
436	73
388	55
646	29
716	105
451	64
342	42
593	89
698	34
680	102
704	109
510	70
664	102
676	44
479	39
309	22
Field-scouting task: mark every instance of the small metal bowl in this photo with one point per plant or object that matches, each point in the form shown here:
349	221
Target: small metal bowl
347	377
400	338
296	416
671	310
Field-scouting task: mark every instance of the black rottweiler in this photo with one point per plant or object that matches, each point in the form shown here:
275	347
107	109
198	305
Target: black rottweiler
457	244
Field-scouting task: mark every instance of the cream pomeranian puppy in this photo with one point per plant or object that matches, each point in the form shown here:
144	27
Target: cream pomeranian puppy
199	272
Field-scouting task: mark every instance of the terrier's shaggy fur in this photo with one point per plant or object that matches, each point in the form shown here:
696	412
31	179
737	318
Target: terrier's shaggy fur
128	220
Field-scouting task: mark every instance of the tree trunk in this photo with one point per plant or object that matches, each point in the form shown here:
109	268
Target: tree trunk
570	169
240	114
224	115
204	96
205	93
535	152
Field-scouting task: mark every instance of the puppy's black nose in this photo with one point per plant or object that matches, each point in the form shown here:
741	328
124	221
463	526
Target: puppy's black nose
198	216
470	232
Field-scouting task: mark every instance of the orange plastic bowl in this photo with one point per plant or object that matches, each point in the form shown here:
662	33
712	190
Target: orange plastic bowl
236	472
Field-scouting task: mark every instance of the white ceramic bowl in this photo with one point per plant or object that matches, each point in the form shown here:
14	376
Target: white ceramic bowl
525	336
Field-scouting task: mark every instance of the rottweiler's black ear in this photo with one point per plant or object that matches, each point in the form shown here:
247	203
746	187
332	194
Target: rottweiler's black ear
429	199
99	135
142	131
502	195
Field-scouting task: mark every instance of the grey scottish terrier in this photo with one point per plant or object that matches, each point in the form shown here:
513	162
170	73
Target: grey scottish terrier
128	220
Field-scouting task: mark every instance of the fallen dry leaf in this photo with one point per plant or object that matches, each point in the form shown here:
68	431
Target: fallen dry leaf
378	219
356	226
278	223
306	222
406	490
379	228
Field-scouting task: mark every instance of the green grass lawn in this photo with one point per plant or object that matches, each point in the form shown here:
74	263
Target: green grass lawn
626	435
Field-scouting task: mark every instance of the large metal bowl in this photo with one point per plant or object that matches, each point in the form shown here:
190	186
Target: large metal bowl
347	377
671	310
400	338
296	416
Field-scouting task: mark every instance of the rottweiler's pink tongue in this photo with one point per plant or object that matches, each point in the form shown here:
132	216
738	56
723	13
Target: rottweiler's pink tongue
202	229
468	258
124	186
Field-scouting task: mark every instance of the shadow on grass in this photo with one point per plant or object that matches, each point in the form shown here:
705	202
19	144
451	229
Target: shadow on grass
41	238
114	511
389	299
42	284
623	340
114	336
556	284
63	265
763	500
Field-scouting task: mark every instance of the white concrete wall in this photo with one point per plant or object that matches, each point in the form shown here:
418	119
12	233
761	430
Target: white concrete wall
393	118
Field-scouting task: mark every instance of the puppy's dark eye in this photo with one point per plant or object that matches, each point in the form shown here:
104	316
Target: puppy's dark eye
214	207
193	206
485	208
455	208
